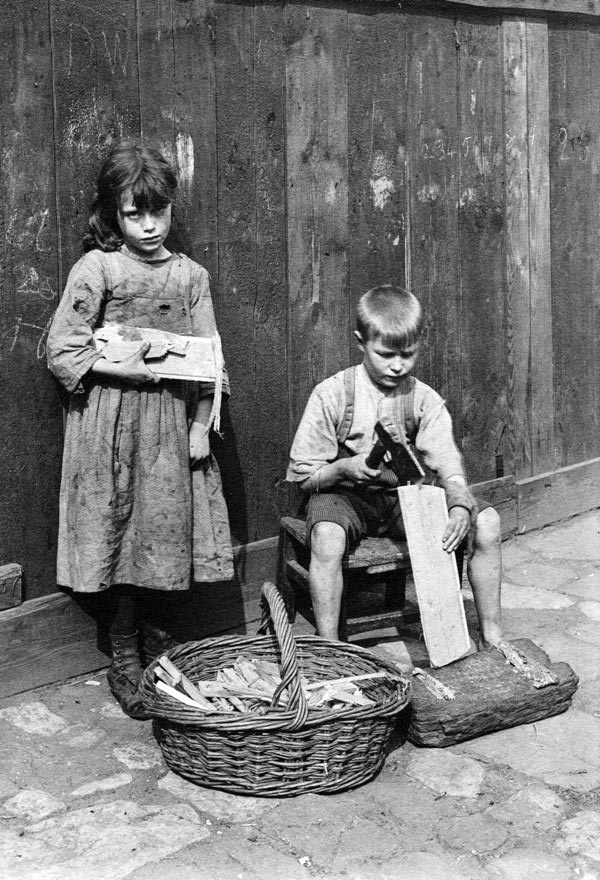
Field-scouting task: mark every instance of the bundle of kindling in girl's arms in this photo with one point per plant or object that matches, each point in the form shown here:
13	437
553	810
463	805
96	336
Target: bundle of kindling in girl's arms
171	355
252	685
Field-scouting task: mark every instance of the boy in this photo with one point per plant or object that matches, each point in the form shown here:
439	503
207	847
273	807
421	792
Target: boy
348	500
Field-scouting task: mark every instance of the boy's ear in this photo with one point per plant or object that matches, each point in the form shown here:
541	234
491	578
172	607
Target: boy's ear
358	337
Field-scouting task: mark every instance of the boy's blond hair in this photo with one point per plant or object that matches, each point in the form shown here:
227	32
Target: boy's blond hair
391	314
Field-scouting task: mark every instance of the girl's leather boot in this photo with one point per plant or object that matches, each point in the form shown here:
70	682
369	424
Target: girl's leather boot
156	641
125	672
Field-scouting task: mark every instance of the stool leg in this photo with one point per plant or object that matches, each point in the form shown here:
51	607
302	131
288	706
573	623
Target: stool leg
395	589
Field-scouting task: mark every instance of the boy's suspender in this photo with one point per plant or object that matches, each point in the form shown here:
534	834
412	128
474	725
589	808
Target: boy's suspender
404	409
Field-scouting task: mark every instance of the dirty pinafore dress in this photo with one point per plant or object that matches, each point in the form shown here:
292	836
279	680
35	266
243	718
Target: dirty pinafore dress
132	510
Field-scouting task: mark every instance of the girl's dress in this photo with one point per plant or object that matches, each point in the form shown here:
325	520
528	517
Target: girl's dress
132	510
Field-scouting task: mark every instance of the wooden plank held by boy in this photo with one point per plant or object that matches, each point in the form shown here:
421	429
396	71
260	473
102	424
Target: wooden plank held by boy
435	574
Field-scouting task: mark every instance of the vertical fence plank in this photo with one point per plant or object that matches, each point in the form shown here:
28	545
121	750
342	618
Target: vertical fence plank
271	297
481	257
252	288
530	358
96	75
519	348
540	357
317	197
432	148
31	424
178	113
377	149
236	176
574	217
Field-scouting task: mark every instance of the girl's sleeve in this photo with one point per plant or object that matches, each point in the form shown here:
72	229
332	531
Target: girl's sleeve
203	321
70	348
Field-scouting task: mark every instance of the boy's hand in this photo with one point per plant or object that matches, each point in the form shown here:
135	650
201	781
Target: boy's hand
199	442
458	526
355	469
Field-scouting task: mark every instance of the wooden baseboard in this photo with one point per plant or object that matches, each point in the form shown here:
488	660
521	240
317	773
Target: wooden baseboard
558	495
59	636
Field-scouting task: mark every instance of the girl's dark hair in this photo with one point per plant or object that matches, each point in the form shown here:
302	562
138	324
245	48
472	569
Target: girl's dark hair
129	166
390	314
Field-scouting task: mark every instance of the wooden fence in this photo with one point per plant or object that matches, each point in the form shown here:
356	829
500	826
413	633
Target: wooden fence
322	148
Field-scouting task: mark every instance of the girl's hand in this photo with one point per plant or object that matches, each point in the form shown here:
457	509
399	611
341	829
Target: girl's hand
132	370
199	442
458	526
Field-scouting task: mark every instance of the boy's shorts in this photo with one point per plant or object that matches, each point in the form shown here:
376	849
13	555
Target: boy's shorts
363	514
359	514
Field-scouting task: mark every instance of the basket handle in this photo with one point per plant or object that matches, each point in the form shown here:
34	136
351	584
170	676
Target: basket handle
290	673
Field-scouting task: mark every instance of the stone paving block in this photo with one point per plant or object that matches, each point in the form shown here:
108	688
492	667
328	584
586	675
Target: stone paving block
229	855
139	756
543	575
110	783
35	718
447	773
590	609
530	864
580	835
535	808
520	596
313	824
586	630
363	842
415	865
563	750
586	586
32	803
477	834
105	842
577	538
587	696
85	739
582	656
221	805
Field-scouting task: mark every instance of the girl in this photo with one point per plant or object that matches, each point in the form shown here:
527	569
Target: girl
141	504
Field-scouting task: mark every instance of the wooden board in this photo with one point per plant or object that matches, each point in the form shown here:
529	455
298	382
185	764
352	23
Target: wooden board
171	355
31	424
574	161
377	150
432	145
481	230
488	695
317	197
435	574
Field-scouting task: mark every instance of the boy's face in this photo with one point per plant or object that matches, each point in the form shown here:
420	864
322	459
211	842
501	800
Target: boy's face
387	365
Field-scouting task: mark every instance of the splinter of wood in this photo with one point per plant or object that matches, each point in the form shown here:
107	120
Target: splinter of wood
539	675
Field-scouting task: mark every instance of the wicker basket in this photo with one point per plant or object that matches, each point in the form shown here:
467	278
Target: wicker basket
285	751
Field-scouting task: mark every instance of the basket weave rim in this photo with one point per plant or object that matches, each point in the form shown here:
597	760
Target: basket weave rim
163	708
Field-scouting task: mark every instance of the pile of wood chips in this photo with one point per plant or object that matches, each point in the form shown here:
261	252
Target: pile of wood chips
249	686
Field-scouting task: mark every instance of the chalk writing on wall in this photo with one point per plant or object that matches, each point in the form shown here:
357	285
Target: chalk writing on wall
38	332
573	145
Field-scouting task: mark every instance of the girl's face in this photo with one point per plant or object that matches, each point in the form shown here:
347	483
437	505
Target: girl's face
144	232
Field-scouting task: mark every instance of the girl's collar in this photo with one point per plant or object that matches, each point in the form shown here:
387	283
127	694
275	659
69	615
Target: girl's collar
158	262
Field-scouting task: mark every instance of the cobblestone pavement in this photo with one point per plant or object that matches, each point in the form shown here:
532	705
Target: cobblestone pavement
86	795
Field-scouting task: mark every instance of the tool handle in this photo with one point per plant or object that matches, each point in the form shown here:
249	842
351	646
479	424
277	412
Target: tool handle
375	456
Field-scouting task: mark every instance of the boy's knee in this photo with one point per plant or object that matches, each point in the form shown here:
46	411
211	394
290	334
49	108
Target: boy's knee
487	533
328	541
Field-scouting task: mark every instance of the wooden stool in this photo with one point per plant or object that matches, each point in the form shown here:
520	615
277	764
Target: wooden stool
373	560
